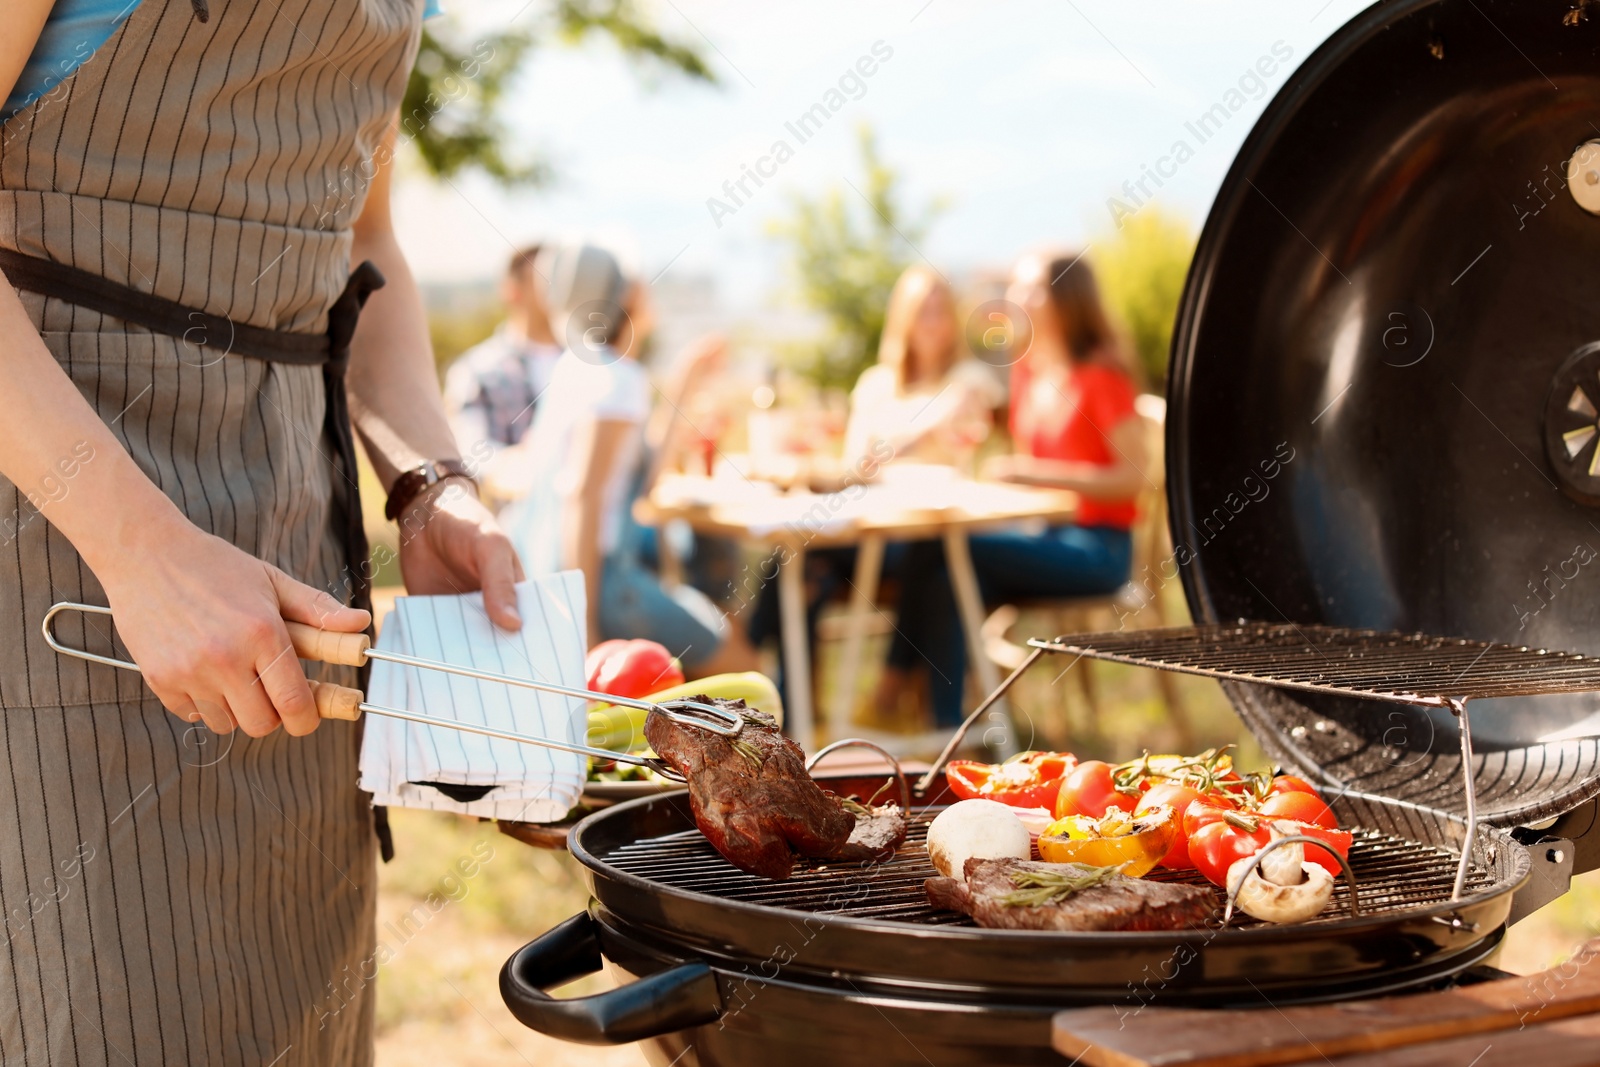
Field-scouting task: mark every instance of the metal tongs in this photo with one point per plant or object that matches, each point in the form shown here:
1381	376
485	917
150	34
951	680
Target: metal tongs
355	650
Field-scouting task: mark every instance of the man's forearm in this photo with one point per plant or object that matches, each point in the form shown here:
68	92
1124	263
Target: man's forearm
63	458
394	388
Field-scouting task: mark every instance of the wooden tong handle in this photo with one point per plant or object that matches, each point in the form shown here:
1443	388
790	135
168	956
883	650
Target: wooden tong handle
336	701
328	646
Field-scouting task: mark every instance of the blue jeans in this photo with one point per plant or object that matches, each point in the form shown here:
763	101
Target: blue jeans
1063	561
633	603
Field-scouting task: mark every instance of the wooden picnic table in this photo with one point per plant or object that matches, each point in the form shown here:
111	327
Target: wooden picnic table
909	504
1551	1019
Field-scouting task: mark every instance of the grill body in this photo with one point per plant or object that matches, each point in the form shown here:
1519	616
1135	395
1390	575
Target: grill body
656	873
722	967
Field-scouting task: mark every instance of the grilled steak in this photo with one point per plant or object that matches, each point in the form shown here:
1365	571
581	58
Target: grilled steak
1118	903
876	836
751	795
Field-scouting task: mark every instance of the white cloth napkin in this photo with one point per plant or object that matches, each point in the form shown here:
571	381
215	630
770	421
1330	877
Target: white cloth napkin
525	783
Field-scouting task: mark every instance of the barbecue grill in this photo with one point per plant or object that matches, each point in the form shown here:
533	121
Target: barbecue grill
1382	447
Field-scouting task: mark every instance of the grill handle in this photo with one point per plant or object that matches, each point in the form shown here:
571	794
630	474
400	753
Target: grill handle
677	999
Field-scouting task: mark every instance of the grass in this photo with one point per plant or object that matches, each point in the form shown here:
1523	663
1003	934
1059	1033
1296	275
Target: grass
473	897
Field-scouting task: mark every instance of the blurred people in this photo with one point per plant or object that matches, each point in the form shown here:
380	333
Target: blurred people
923	400
595	445
1073	426
493	389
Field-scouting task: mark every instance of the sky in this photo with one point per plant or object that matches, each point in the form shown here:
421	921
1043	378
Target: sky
1023	118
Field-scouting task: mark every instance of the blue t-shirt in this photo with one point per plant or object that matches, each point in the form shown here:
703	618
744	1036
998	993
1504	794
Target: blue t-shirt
72	32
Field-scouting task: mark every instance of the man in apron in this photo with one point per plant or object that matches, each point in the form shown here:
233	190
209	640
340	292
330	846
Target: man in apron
181	222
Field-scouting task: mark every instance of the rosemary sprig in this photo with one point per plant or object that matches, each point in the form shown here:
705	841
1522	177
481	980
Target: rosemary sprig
855	807
1037	887
751	753
882	789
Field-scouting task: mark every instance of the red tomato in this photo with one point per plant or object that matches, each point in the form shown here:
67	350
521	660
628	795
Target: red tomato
1177	796
1030	780
1292	783
598	655
1204	809
1220	836
1218	845
1089	790
1301	807
1338	840
631	668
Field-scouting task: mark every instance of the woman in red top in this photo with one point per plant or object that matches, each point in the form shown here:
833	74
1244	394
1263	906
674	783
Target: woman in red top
1074	427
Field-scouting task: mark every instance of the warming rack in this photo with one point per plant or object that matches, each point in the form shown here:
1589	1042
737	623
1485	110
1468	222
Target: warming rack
1401	668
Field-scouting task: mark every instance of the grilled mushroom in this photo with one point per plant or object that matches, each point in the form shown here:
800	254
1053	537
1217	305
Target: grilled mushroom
1285	888
984	829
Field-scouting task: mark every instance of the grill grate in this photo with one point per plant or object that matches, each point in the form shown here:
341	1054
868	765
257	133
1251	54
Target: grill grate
1406	668
1392	874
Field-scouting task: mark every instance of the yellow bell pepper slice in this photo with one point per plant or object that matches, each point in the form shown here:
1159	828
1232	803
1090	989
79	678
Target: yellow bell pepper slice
1134	843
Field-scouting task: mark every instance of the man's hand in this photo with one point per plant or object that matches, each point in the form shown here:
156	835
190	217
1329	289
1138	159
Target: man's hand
204	621
450	543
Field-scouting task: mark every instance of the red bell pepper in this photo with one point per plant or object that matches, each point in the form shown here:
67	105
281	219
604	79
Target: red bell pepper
631	668
1027	780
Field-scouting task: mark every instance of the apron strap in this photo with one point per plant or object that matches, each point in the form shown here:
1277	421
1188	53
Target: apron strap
159	315
331	350
194	327
342	318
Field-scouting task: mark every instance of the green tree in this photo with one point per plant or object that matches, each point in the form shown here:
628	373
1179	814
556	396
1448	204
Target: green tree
848	247
1142	267
449	113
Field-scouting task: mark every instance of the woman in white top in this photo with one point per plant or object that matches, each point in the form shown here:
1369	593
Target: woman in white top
923	399
592	450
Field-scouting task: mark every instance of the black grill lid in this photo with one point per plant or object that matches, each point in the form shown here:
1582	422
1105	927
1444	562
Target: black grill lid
1385	385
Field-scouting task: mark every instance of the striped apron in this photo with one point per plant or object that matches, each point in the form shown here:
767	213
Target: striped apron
168	896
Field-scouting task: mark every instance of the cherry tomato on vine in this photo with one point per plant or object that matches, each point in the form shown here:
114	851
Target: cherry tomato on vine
1090	790
1178	797
1206	808
1219	844
1293	783
1301	807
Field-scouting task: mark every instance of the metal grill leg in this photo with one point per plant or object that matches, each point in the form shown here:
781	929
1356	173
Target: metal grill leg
1469	789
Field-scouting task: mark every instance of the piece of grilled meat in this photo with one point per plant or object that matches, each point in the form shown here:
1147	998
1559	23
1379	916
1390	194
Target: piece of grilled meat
877	834
1118	903
751	795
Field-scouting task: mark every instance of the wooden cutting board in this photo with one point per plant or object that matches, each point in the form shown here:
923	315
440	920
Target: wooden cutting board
1541	1020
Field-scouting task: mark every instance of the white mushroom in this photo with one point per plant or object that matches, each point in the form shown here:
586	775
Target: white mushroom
1285	889
976	829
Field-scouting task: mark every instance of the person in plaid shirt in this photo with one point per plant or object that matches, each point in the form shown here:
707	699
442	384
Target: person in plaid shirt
491	391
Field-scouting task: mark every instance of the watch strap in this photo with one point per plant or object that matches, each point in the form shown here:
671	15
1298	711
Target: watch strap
412	483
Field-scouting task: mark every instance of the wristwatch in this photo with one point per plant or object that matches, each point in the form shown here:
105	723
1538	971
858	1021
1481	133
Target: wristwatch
413	482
